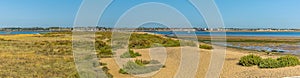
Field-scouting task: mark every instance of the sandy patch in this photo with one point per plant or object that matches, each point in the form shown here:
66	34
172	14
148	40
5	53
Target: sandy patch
230	67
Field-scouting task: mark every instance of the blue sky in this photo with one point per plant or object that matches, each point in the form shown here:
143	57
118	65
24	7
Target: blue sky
236	13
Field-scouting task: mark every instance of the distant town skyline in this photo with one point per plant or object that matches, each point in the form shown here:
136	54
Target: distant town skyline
235	13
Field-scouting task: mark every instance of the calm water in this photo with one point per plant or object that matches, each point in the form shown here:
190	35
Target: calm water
201	33
198	33
21	32
283	48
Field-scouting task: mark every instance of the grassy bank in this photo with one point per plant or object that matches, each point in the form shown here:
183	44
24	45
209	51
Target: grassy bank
37	56
50	54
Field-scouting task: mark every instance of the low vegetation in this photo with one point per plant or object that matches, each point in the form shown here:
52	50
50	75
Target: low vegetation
141	62
269	63
103	50
288	61
50	54
105	69
284	61
138	41
55	34
2	39
134	68
42	56
58	47
122	71
205	46
37	57
250	60
130	54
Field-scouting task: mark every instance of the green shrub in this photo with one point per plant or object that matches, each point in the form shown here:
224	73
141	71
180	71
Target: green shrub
105	69
288	61
109	75
205	46
250	60
269	63
141	43
283	61
170	43
138	41
130	54
103	50
141	62
133	68
122	71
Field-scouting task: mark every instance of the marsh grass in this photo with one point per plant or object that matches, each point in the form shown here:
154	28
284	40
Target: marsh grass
206	46
141	62
130	54
103	49
50	54
37	57
134	68
139	41
283	61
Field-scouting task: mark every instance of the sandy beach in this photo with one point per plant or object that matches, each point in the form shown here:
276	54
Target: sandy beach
230	68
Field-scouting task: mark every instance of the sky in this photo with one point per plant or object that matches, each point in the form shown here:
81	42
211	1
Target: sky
235	13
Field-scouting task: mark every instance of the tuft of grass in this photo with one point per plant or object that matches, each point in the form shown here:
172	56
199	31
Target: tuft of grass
122	71
205	46
130	54
134	68
141	62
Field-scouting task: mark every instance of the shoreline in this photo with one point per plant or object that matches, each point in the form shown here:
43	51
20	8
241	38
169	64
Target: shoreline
251	31
230	67
185	35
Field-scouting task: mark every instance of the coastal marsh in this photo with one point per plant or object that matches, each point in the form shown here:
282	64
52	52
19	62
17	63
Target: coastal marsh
50	55
36	56
288	45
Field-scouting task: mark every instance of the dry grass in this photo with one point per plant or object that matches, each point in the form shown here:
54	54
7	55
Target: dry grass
36	56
